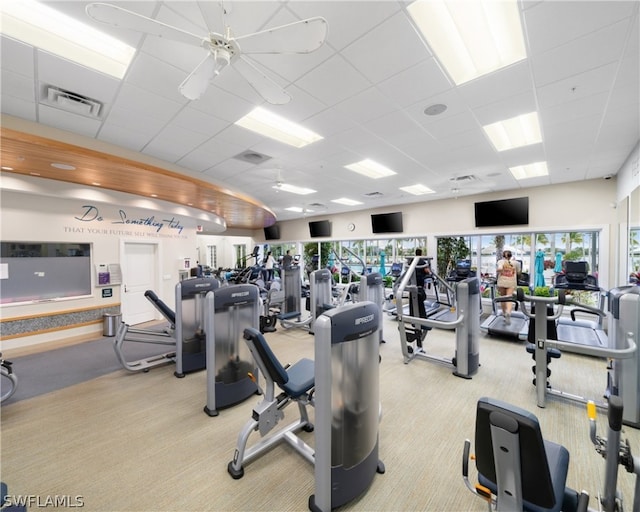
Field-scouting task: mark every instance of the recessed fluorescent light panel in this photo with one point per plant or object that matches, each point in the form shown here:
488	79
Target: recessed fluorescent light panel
523	172
271	125
472	38
417	190
370	169
346	201
297	209
293	189
43	27
515	132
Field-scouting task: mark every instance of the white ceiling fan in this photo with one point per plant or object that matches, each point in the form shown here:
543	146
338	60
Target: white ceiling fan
224	50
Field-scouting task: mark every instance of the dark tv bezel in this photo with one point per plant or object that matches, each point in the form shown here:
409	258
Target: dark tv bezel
380	222
319	228
502	212
269	229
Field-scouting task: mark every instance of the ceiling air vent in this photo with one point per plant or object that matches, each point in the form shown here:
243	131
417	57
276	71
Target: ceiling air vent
374	195
468	177
72	102
253	157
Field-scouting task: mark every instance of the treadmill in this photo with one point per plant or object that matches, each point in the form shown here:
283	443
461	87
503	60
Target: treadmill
461	272
495	325
576	330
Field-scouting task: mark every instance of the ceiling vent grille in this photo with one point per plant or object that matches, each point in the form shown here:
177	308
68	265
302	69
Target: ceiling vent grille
468	177
253	157
72	102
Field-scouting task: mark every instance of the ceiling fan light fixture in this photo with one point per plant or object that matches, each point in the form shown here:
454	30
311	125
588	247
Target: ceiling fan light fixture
276	127
48	29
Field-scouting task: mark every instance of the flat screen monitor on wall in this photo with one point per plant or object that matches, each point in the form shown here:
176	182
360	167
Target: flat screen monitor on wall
272	232
320	229
504	212
386	222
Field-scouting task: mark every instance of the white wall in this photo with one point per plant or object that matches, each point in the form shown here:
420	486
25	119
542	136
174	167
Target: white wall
104	219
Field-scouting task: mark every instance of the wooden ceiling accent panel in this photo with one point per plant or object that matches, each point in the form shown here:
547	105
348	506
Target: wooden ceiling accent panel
33	155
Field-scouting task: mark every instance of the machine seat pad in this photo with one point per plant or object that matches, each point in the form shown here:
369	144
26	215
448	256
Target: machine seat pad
551	352
558	461
166	311
291	314
301	378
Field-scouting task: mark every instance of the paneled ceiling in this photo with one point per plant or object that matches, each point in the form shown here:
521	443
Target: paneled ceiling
365	91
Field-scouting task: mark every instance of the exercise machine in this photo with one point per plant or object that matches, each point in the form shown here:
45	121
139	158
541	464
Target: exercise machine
190	317
231	372
621	379
495	324
164	335
185	336
466	359
579	330
8	380
517	468
347	404
615	453
343	385
390	300
318	300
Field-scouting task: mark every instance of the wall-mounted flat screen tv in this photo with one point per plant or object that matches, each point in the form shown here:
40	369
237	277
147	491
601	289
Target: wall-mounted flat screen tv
320	229
272	232
504	212
386	222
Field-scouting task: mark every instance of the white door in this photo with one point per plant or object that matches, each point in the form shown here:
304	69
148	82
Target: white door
139	274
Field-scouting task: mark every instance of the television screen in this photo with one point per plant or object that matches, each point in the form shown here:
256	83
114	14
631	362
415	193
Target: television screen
272	232
504	212
320	229
386	222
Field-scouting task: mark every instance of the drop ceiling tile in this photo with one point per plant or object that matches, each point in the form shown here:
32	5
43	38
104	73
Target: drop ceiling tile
333	81
67	121
347	20
16	57
416	83
17	86
552	24
365	106
198	121
18	107
506	108
377	61
222	104
174	142
153	75
138	101
578	86
511	81
124	136
580	55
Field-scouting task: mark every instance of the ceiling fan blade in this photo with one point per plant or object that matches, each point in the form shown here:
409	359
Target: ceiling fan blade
303	36
263	85
197	82
213	14
122	18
